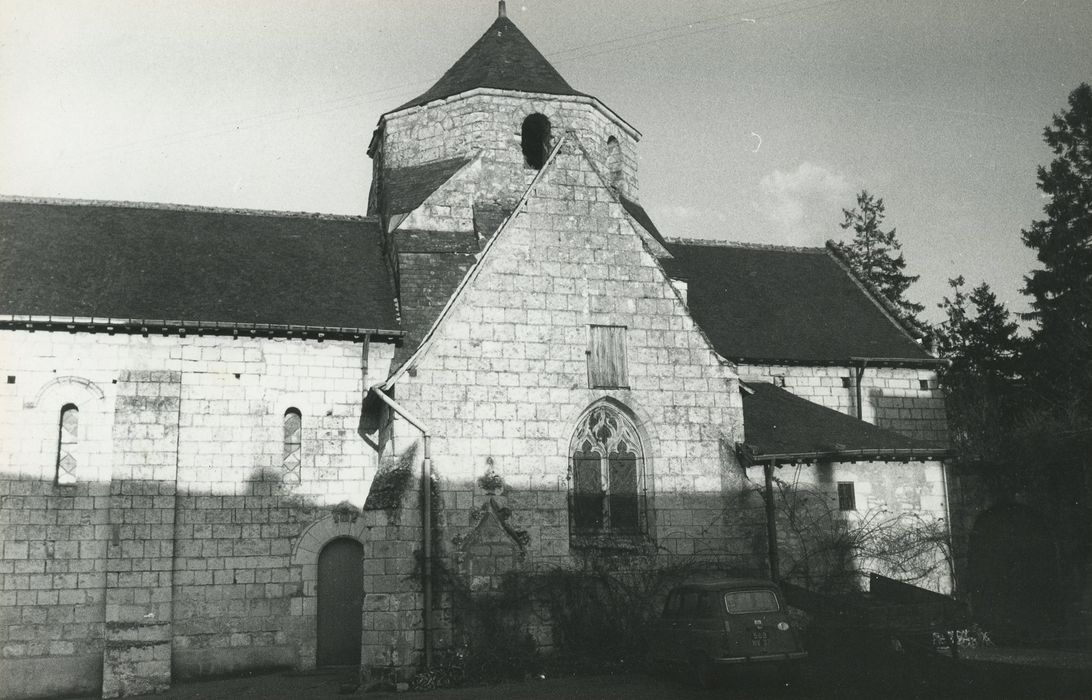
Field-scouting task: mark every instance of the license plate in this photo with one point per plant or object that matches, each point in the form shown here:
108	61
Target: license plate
759	638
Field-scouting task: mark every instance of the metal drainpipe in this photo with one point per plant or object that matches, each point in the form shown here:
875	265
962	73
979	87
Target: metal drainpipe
426	518
948	523
857	382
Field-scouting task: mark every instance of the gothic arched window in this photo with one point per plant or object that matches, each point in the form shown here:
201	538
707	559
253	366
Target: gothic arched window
607	479
293	445
535	140
66	444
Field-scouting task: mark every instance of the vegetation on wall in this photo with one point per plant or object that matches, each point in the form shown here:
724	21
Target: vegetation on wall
829	551
595	616
394	476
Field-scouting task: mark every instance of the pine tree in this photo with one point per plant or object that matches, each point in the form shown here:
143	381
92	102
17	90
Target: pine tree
979	337
1060	353
874	255
978	333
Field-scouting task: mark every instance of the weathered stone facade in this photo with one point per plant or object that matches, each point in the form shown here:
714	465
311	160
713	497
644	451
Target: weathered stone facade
575	410
909	498
172	554
897	526
906	400
487	122
503	382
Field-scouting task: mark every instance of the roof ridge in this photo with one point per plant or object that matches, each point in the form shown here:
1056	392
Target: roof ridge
170	206
720	243
913	328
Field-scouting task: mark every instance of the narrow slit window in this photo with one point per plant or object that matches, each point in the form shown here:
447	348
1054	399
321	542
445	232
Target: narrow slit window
293	445
847	499
67	441
535	140
614	162
607	357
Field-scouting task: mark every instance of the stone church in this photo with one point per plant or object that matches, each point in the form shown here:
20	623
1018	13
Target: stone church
216	424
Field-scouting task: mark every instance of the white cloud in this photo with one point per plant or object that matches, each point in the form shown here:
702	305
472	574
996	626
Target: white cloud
804	206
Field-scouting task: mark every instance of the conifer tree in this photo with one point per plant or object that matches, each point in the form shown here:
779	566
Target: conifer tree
874	254
1060	352
979	337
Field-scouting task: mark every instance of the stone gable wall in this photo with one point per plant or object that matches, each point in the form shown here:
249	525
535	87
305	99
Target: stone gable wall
893	396
172	554
506	379
491	124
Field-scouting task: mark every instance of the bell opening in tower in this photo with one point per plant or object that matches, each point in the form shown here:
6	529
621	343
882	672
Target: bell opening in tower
536	140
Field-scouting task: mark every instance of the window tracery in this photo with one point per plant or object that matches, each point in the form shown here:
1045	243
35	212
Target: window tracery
607	475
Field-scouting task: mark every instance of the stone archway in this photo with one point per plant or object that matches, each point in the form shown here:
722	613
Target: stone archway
342	523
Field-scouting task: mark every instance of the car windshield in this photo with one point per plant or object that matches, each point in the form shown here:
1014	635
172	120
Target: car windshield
754	601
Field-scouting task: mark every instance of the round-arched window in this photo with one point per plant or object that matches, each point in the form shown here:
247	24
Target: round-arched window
535	140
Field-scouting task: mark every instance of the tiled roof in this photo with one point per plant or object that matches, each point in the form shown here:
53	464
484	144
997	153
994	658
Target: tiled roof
130	261
503	58
428	274
784	427
404	189
771	304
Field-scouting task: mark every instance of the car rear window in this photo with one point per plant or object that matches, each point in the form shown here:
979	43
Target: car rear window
759	600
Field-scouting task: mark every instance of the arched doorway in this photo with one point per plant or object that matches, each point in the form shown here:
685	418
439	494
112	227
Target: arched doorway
340	597
1014	576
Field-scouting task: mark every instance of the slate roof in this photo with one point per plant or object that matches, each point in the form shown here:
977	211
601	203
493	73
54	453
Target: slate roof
786	428
638	212
796	305
128	261
404	189
503	58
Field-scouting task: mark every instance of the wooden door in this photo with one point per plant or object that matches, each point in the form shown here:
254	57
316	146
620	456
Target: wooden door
340	597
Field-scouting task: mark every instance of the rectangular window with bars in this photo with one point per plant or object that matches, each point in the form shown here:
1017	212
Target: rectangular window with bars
607	358
847	499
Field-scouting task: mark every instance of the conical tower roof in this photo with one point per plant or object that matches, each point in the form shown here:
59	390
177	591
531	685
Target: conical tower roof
503	58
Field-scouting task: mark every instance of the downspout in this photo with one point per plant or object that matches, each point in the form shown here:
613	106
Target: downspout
948	523
771	523
860	368
426	518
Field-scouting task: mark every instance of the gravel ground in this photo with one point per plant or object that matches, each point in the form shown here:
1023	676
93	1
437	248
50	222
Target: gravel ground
324	686
982	673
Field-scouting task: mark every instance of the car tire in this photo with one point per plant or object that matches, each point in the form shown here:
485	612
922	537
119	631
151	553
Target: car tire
705	673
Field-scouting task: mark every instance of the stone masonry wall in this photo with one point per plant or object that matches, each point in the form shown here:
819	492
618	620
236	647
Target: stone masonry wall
176	547
140	553
506	379
491	124
897	504
905	400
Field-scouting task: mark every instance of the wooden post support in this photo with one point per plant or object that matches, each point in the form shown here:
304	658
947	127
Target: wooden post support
771	523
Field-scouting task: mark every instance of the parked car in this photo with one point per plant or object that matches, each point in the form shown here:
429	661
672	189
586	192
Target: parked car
712	626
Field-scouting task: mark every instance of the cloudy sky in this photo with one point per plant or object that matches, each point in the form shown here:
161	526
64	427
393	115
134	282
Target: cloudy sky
761	118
